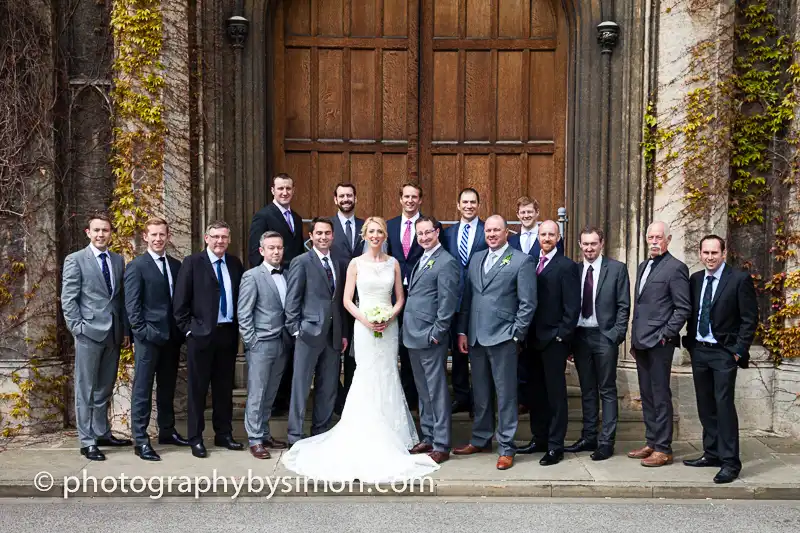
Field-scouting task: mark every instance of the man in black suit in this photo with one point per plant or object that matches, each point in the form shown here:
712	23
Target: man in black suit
602	327
347	244
205	299
721	329
403	246
660	310
149	285
548	345
463	240
279	216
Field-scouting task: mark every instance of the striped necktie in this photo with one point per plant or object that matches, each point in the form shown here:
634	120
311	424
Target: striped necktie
463	245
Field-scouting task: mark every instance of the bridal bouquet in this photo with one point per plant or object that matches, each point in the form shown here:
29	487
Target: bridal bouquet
376	315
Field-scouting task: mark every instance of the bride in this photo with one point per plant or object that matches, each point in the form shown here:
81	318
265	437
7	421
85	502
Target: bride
371	441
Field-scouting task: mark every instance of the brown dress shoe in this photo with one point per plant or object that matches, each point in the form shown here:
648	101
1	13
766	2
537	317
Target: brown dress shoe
641	453
275	444
657	459
504	462
439	457
422	447
469	449
259	452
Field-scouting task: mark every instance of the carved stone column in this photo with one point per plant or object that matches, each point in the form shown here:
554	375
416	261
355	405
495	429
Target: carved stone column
607	36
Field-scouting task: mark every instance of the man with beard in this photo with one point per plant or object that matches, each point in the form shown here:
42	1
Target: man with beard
347	244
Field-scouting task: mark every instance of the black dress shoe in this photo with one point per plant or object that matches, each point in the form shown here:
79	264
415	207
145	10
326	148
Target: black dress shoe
199	450
228	442
146	452
602	453
703	461
582	445
726	475
93	453
461	407
533	447
552	457
174	439
111	440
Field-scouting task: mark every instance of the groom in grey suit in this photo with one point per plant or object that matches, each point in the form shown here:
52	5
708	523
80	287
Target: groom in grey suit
315	317
427	316
498	304
262	295
93	303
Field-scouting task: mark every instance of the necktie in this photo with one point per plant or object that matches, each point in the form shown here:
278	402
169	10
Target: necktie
329	272
166	276
420	266
526	247
106	272
349	234
407	239
223	298
462	247
705	311
644	275
489	262
288	216
542	261
588	294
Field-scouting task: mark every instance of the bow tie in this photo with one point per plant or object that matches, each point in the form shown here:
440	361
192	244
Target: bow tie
277	271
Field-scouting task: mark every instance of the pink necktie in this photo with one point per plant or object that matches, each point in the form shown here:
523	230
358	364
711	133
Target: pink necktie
407	239
541	264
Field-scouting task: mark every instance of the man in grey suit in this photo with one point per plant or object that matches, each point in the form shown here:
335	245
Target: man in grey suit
262	296
497	307
661	308
315	317
427	317
93	303
602	327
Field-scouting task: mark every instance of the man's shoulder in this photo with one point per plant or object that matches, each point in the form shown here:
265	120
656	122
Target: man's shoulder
74	256
613	264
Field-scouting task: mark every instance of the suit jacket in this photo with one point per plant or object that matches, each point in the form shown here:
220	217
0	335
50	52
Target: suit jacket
450	241
559	302
340	247
612	299
661	309
148	300
395	248
260	311
499	305
268	218
87	307
734	312
432	301
196	296
312	311
515	241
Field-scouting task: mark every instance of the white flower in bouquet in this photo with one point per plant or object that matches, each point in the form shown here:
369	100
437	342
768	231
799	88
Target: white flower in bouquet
378	314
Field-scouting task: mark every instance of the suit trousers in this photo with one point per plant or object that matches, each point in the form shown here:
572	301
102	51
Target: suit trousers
714	370
153	362
654	367
430	375
265	366
347	366
212	362
406	373
459	371
495	364
596	362
548	393
96	366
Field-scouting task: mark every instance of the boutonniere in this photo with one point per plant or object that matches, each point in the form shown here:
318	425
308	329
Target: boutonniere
506	260
429	264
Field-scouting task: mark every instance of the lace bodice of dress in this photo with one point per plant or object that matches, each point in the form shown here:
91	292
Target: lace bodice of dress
375	282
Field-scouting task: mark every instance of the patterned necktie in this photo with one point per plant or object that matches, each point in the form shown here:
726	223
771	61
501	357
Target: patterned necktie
705	311
166	275
329	272
288	216
223	298
462	247
588	294
106	273
349	234
407	239
542	261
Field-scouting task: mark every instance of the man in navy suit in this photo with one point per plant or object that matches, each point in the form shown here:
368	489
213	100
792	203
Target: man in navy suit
462	241
347	244
403	246
528	241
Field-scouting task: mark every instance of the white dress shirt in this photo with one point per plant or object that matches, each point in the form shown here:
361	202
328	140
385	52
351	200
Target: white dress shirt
473	231
717	276
279	280
343	220
161	266
403	221
284	210
492	257
424	259
590	322
97	253
223	315
549	256
528	237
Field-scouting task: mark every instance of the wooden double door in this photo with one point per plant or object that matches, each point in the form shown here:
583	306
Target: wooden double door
448	93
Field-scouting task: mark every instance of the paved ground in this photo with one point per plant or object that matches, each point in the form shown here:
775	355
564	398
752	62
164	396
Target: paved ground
771	471
509	515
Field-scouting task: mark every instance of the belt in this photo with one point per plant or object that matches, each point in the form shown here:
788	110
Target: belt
709	344
225	325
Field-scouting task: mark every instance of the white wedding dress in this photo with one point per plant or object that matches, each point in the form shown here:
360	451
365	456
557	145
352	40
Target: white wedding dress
370	442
